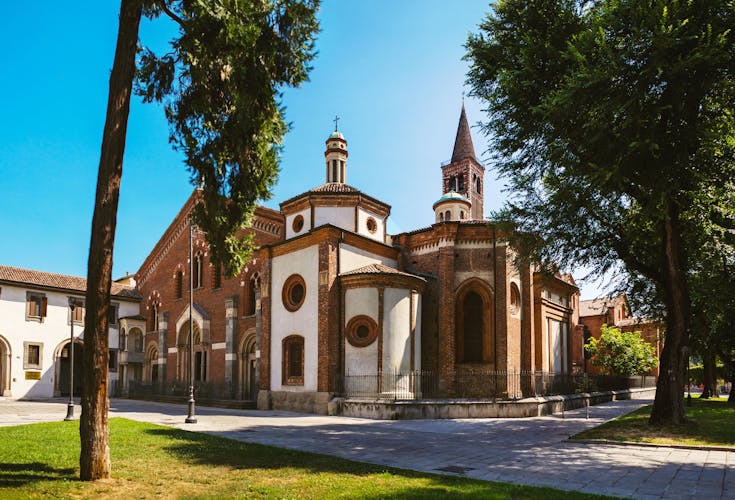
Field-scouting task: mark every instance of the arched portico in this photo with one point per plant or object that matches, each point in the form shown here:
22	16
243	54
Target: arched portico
5	358
248	366
62	364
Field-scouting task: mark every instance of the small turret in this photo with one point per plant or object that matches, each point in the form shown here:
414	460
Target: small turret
336	156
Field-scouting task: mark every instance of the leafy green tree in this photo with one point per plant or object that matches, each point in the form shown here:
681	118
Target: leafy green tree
610	119
221	86
621	353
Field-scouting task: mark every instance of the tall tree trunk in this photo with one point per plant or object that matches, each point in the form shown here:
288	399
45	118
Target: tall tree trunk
668	407
94	461
709	376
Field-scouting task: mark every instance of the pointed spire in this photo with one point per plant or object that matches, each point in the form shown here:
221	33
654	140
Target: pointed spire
463	147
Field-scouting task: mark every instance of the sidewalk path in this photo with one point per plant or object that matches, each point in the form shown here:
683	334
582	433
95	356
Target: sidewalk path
530	451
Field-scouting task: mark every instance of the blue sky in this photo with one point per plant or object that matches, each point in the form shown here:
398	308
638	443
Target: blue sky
392	70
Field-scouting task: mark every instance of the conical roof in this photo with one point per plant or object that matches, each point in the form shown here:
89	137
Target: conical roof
463	147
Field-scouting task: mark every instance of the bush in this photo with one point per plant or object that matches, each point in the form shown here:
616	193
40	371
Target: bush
621	353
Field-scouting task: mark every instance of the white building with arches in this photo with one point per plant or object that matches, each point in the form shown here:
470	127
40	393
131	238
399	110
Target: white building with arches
36	326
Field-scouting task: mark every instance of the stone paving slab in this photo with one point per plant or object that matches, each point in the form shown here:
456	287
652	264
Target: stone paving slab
532	451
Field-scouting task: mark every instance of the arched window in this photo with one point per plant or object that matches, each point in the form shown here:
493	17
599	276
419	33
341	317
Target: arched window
472	328
461	214
447	215
179	284
249	300
515	299
441	216
293	360
460	182
474	323
197	268
135	340
216	276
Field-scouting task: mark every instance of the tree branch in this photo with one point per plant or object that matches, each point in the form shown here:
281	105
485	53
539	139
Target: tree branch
170	13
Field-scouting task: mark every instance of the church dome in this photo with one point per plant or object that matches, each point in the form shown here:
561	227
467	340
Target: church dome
336	135
451	196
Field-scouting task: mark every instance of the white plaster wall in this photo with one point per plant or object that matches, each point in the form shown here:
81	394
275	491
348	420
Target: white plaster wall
351	258
53	332
306	214
417	330
396	330
361	360
343	217
455	209
303	322
362	217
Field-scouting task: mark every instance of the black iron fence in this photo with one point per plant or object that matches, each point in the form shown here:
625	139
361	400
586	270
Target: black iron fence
480	384
202	390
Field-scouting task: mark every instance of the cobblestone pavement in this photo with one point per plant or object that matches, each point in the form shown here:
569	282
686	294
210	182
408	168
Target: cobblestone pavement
530	451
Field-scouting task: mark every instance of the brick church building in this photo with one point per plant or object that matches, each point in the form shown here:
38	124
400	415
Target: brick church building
330	300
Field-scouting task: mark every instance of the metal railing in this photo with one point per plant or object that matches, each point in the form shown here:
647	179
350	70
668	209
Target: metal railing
477	384
202	390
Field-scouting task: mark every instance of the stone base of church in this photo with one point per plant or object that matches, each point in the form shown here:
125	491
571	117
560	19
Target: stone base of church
302	402
461	408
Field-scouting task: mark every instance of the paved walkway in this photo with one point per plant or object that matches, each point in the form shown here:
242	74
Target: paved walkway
530	451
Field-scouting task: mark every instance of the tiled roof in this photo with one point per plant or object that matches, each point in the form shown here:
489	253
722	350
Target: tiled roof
379	269
463	147
594	307
334	187
10	274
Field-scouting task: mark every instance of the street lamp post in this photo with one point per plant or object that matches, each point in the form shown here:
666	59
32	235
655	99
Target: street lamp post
70	407
191	418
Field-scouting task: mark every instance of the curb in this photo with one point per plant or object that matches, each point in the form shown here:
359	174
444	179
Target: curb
652	445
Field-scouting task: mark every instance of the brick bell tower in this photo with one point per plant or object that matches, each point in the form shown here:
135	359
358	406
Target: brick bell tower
464	174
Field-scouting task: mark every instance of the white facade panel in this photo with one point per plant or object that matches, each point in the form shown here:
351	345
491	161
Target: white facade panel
304	321
361	360
306	214
362	225
396	330
351	258
343	217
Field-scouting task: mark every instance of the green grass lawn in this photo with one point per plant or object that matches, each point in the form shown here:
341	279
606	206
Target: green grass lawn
150	461
711	423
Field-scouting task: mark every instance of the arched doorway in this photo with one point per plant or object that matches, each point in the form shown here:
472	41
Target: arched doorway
248	369
5	357
150	367
201	355
63	358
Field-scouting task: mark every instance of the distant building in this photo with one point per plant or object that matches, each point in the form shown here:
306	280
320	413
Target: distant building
615	312
35	328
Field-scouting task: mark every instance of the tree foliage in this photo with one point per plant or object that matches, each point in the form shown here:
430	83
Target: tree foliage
621	353
610	119
221	86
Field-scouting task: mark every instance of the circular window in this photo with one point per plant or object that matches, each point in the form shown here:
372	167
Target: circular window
361	331
372	226
294	292
298	223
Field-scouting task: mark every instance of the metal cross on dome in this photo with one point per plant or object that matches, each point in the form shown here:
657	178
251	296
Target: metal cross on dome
336	120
